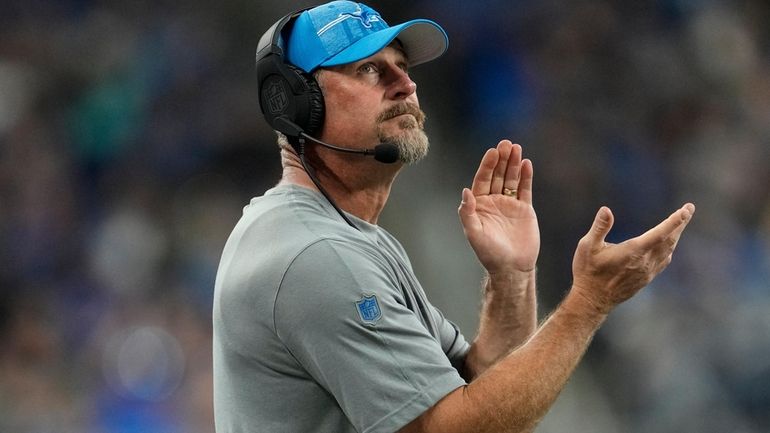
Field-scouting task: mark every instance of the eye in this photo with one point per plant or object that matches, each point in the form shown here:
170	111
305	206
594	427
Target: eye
368	68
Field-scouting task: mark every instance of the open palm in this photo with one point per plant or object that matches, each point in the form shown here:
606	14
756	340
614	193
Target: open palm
502	229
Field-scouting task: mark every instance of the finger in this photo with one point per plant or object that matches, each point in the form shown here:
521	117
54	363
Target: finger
669	229
483	178
467	211
601	225
677	234
499	176
525	181
512	173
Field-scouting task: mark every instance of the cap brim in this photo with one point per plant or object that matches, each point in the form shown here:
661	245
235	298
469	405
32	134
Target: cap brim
422	41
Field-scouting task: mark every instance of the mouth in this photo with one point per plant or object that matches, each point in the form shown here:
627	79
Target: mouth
402	109
404	121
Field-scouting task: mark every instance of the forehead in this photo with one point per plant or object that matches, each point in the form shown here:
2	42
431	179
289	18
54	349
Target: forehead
398	46
394	49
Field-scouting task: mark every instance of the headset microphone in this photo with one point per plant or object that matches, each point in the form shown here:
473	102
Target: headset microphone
386	153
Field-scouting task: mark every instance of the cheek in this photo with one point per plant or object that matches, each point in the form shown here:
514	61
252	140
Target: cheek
348	113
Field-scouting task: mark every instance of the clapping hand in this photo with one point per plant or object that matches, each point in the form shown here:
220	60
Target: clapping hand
497	214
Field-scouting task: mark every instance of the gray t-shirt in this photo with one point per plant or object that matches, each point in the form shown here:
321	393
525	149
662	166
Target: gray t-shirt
319	327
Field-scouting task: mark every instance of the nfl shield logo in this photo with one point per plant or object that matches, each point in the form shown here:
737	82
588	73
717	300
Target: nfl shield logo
277	100
369	309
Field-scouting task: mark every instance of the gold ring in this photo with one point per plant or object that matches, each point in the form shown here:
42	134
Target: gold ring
509	192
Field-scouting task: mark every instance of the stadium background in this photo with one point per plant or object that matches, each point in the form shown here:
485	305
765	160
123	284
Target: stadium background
130	139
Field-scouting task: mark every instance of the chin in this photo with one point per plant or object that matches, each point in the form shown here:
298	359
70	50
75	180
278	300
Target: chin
412	144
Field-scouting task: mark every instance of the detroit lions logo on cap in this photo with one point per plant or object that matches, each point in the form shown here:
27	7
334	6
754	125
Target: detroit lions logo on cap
369	309
367	17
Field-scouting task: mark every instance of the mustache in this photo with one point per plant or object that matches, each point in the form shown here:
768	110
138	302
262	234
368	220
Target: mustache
403	108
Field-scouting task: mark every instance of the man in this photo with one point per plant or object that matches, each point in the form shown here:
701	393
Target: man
320	324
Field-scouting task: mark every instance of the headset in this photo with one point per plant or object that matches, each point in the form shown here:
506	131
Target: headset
290	98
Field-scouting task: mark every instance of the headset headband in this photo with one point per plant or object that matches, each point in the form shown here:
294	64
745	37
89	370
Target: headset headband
270	42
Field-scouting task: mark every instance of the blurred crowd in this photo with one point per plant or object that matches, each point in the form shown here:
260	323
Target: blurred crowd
130	140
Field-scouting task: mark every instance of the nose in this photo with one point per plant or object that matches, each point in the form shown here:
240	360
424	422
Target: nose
401	85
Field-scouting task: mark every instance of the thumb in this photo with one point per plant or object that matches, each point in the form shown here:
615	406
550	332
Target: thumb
601	226
467	205
467	212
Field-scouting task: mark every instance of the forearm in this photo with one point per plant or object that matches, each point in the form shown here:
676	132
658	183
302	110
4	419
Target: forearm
508	318
515	393
528	380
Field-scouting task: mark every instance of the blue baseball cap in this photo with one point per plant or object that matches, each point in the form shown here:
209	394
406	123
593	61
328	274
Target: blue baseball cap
341	32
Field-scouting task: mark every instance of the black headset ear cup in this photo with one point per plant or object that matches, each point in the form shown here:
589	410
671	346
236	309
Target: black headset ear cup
315	102
288	93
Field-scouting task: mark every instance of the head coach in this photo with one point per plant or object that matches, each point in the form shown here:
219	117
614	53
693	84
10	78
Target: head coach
320	324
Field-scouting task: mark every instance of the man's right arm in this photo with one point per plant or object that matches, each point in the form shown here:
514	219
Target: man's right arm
516	393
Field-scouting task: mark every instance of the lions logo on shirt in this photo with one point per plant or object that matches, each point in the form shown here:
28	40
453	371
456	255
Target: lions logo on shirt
369	309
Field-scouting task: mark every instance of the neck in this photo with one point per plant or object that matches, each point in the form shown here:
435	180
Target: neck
358	185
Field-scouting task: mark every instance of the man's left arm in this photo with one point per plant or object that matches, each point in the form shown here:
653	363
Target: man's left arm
508	318
501	226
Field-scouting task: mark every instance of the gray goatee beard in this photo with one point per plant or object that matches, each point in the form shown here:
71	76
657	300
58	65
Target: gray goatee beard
411	141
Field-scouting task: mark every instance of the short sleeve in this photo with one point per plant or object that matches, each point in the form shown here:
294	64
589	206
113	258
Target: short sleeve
340	312
452	341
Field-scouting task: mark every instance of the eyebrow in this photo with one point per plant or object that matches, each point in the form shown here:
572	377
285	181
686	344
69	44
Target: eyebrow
398	46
